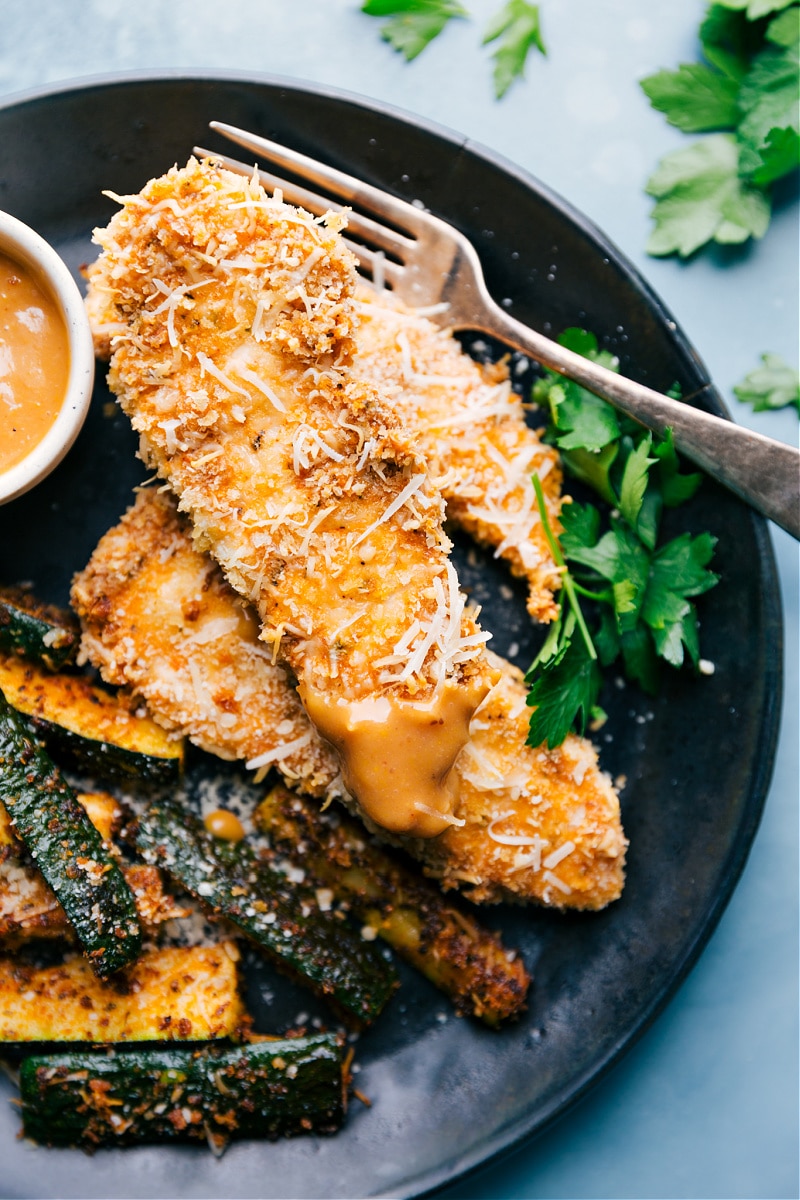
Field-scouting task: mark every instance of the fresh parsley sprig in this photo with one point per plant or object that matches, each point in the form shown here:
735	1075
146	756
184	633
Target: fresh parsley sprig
413	24
772	385
745	97
516	29
564	676
640	590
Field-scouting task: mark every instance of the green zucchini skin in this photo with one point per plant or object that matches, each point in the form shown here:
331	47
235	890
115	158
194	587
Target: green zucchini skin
67	848
40	631
282	919
89	728
102	759
442	940
270	1088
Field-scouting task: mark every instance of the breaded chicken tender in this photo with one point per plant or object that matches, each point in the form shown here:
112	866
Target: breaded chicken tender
533	824
158	615
470	427
466	421
234	319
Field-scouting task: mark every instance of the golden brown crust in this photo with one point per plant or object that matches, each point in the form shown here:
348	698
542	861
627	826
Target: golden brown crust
188	994
235	368
470	427
296	475
159	617
558	801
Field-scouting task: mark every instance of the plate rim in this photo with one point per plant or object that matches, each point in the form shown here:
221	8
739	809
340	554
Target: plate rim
520	1132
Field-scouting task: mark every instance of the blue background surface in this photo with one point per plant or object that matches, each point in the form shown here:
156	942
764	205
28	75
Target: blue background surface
706	1104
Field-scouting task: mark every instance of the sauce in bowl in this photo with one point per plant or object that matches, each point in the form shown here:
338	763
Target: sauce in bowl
46	358
34	361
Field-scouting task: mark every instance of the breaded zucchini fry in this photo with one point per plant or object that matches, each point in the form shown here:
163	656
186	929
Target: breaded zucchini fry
188	994
538	824
445	943
29	909
235	368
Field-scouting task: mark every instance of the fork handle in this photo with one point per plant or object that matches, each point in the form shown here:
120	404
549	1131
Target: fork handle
763	472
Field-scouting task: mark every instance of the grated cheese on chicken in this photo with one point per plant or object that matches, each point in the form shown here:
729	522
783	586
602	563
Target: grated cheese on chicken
471	429
266	505
147	594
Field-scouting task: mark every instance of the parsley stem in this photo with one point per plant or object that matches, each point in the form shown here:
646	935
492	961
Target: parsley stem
601	597
560	561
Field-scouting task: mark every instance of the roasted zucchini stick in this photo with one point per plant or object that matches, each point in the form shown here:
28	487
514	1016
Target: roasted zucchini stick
29	908
274	1087
102	810
278	917
30	911
89	727
442	941
41	631
177	993
68	850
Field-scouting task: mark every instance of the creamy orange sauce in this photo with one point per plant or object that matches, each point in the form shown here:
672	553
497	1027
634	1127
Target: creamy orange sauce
397	755
34	362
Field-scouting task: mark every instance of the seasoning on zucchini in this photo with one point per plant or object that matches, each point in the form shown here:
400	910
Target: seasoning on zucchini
281	919
266	1089
101	808
89	727
177	993
67	848
41	631
441	940
29	910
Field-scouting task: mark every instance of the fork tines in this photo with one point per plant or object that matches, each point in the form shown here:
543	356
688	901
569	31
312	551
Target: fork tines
370	240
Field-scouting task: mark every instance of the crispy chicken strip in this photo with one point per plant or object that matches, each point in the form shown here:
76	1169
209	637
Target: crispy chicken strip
467	422
158	614
470	426
234	365
538	824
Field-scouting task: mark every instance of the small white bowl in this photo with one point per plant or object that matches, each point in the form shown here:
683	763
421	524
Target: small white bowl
20	243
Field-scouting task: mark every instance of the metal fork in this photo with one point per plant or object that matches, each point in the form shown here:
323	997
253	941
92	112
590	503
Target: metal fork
433	265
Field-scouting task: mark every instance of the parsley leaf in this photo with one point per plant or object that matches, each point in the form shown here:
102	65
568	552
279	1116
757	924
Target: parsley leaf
675	487
413	24
756	8
633	486
694	98
677	572
700	197
785	29
718	189
641	592
773	159
729	41
640	659
563	696
580	419
768	95
518	27
774	385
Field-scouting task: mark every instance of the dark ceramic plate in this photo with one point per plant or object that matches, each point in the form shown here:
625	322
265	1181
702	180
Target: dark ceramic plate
447	1095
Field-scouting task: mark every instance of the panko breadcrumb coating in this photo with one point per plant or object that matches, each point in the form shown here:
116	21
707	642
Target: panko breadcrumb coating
538	824
158	616
470	426
466	422
232	355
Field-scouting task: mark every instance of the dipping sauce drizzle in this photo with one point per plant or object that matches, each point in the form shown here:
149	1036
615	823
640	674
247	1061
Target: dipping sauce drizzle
34	362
